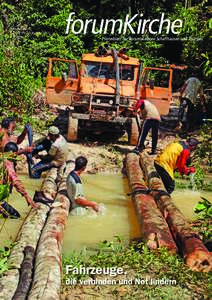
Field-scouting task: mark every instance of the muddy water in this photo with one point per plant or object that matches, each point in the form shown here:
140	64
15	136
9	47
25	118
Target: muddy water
185	200
119	217
10	227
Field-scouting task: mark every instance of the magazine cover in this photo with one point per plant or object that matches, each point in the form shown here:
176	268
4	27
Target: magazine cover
105	145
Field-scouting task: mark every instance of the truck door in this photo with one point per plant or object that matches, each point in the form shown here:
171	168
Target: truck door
156	86
62	81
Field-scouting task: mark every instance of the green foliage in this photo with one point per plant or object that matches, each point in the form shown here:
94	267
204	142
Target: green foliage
204	211
4	254
4	191
196	34
205	148
198	177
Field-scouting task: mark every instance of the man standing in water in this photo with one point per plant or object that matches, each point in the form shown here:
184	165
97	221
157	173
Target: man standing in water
75	189
174	158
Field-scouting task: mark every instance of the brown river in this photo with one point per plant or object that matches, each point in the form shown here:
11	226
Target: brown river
117	218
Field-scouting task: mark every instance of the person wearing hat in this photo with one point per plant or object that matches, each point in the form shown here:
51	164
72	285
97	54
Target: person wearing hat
174	158
56	156
10	179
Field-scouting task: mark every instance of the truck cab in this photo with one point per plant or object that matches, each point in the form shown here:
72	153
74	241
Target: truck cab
101	95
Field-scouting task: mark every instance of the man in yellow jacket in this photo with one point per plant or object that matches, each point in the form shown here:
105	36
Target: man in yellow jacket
174	158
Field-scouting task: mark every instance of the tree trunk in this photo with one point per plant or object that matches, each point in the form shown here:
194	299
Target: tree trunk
48	265
25	274
196	255
154	230
28	235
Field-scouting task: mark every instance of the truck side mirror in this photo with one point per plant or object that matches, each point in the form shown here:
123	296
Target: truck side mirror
151	84
64	76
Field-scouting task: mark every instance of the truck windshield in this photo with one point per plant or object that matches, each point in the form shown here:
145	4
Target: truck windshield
107	71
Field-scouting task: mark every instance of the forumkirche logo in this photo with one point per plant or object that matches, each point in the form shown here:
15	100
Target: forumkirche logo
110	26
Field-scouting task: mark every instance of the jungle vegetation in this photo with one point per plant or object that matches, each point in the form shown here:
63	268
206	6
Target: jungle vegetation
33	31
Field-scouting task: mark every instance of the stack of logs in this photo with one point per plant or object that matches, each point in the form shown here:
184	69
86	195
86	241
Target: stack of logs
161	222
40	234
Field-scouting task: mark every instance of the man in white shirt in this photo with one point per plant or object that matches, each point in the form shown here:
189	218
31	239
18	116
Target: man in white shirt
57	154
188	99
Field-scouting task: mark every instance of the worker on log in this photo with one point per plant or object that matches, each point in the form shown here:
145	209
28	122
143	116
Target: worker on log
188	99
56	157
10	179
75	189
151	118
174	158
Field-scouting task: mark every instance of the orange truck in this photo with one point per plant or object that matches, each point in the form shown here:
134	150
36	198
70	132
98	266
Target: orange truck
100	97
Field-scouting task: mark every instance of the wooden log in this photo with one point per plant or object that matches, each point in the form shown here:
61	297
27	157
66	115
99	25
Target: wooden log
28	235
154	230
151	176
48	263
195	254
25	274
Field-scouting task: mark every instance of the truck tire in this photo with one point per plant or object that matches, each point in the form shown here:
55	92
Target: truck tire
133	133
72	129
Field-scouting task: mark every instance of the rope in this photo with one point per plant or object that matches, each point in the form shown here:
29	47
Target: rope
148	191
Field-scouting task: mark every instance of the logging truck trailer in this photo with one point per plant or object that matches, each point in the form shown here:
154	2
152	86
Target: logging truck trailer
100	97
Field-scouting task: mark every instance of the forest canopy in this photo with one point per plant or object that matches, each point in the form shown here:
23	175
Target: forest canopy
33	31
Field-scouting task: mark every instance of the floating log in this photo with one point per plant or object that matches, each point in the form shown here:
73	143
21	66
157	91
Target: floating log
48	264
154	229
195	254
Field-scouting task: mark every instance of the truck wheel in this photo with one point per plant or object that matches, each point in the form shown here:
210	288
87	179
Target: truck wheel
72	129
133	133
